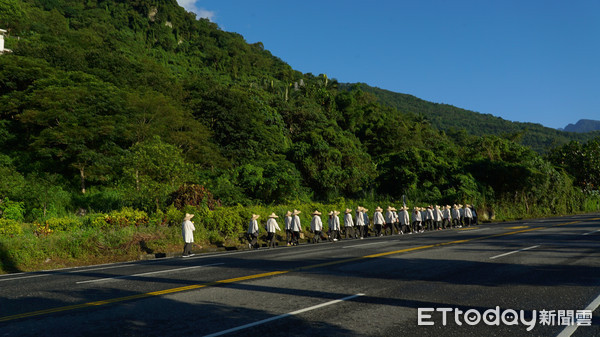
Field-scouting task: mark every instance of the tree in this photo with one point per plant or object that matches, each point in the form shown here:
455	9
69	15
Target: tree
154	169
75	121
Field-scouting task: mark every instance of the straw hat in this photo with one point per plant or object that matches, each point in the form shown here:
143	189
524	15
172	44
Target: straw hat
288	213
330	213
188	216
365	210
336	213
273	215
255	216
378	209
316	213
348	210
296	212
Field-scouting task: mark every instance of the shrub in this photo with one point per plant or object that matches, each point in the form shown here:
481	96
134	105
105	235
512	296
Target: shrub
96	221
227	220
10	227
126	217
173	216
194	195
63	224
13	210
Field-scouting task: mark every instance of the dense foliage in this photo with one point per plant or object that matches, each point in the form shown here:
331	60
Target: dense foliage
447	117
137	106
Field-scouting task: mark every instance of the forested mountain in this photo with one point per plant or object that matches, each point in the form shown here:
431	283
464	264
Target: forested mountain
113	103
583	125
447	117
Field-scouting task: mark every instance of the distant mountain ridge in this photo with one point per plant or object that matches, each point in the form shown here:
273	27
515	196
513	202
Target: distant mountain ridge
583	126
447	117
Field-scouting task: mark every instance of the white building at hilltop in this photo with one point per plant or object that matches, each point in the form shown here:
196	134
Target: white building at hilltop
2	49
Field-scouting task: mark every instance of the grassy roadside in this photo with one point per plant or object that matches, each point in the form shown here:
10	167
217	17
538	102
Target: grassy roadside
130	235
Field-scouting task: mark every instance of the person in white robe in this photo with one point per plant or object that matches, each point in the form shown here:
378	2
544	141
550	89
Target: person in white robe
288	228
296	227
417	220
455	216
316	225
334	226
272	228
360	222
404	220
348	223
253	232
187	231
429	218
437	218
364	231
468	215
378	221
446	217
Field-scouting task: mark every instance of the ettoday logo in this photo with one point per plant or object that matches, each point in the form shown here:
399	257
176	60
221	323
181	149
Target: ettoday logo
474	317
497	316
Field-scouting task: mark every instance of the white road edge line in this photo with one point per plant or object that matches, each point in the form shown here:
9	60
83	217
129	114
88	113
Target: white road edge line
569	330
144	274
368	244
220	333
514	251
54	273
592	232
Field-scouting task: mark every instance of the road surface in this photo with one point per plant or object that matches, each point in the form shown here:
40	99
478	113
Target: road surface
546	271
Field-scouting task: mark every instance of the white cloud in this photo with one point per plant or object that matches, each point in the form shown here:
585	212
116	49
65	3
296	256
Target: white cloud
190	5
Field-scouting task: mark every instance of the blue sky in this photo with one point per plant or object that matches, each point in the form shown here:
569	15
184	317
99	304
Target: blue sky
529	60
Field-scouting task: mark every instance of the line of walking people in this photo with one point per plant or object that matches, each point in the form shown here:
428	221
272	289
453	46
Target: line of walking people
358	225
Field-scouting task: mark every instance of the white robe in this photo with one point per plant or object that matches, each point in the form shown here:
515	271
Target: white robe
378	218
335	223
417	216
437	215
389	217
288	222
296	226
360	219
187	231
404	219
348	222
316	224
253	227
468	213
272	225
455	213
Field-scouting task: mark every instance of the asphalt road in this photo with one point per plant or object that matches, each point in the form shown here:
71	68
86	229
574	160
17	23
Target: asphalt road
387	286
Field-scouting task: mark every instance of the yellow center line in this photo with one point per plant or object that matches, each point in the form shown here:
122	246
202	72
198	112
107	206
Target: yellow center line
262	275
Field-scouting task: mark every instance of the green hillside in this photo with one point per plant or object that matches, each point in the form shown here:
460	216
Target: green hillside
108	104
447	117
